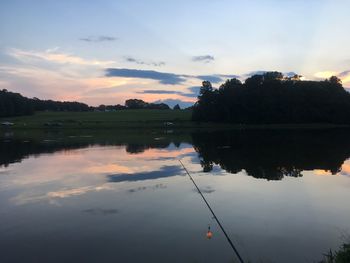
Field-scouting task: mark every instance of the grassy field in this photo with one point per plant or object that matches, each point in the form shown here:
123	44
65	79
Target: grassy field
123	118
133	119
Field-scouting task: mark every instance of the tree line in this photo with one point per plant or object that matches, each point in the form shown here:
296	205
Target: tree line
140	104
14	104
273	98
136	104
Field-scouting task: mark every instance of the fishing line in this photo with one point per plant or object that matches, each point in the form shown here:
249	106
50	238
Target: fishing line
214	216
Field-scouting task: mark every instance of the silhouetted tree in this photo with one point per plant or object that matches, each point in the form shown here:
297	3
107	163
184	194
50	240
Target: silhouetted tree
14	104
140	104
273	98
135	104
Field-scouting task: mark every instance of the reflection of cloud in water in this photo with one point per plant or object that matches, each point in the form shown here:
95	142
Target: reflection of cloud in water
184	150
156	154
25	198
81	167
142	188
77	191
205	190
345	169
101	211
107	168
165	171
76	172
174	158
322	172
195	158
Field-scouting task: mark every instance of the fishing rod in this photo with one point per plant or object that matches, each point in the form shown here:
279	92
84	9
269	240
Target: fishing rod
214	216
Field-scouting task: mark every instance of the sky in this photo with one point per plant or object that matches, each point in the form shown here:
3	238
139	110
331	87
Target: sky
104	52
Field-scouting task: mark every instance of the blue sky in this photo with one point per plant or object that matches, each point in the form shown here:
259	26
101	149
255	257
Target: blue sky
108	51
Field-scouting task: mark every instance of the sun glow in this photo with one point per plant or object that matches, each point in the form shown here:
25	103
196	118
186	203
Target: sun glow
325	74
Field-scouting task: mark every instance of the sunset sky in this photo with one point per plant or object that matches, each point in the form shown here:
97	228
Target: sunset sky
104	52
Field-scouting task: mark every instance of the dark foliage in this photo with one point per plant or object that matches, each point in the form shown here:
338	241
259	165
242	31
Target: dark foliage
273	98
103	107
50	105
14	104
140	104
15	150
273	154
177	107
340	256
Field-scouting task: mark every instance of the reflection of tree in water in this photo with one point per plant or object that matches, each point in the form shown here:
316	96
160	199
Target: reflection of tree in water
269	154
14	149
273	154
134	148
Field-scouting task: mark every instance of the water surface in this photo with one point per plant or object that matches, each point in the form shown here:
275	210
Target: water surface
282	196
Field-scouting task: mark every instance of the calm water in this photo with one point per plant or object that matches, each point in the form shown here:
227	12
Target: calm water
123	197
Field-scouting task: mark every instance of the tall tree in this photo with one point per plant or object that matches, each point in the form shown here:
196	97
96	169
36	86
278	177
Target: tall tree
273	98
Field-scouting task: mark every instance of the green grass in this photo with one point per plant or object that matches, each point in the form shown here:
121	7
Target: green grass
133	119
123	118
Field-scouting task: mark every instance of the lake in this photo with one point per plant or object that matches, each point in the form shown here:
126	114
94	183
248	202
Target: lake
123	196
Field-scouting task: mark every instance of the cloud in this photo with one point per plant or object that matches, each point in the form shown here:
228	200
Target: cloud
53	55
211	78
205	58
163	78
325	74
98	39
344	75
141	62
194	90
216	78
191	95
290	74
160	92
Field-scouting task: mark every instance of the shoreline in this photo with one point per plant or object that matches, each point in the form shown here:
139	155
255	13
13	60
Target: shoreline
139	119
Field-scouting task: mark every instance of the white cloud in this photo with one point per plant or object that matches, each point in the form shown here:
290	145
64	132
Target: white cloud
55	56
